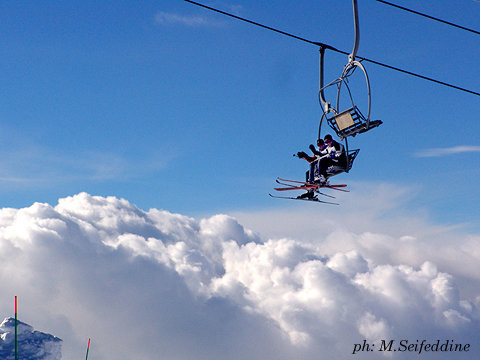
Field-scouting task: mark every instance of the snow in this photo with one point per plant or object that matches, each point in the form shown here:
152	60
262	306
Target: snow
31	344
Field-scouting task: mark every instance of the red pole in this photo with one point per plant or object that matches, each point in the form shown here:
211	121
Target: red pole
16	357
88	347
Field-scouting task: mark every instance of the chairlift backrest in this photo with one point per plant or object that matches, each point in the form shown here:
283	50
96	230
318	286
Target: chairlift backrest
351	122
344	120
352	154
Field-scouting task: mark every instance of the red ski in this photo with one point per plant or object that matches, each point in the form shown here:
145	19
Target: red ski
306	187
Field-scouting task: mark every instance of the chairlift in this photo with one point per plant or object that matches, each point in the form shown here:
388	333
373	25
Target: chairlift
351	121
348	121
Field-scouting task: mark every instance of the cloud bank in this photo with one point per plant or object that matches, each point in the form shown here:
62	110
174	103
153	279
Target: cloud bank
152	284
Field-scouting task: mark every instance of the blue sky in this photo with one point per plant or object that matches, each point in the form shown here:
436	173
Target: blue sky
171	106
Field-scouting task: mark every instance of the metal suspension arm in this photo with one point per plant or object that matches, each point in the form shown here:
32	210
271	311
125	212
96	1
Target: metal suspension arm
321	94
352	55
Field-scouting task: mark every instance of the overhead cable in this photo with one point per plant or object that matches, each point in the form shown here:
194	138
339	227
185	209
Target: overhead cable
261	25
336	50
429	17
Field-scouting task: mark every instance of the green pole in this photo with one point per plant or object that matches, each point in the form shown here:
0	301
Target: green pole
88	347
16	328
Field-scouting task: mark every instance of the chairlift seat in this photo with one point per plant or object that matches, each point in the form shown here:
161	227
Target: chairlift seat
335	169
351	122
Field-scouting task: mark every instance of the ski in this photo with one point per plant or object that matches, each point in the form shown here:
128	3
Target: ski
294	181
283	183
310	184
336	187
316	190
307	187
305	199
323	194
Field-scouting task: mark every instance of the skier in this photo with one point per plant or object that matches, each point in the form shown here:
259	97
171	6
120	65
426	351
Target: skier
336	157
314	163
317	154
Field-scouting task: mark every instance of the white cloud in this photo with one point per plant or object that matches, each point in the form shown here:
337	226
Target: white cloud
144	284
168	18
373	329
436	152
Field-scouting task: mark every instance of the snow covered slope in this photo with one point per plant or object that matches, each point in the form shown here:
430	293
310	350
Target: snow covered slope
32	345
